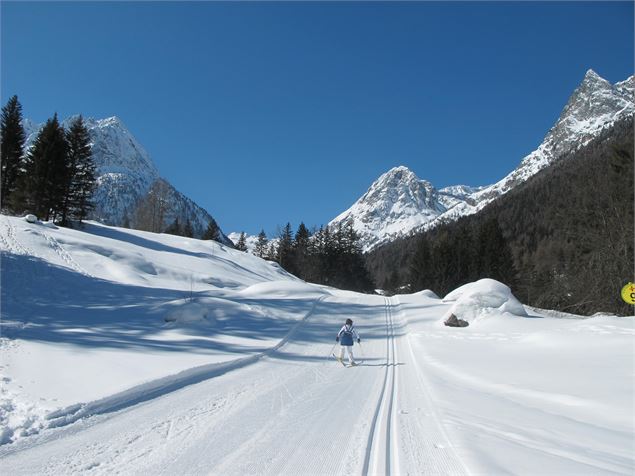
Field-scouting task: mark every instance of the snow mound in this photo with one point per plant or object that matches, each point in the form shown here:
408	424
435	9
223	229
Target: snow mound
188	312
428	293
483	298
210	311
284	289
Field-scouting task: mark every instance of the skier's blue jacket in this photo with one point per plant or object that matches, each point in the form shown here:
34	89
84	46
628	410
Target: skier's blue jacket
347	334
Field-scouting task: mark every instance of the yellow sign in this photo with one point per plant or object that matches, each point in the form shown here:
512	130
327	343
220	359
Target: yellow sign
628	293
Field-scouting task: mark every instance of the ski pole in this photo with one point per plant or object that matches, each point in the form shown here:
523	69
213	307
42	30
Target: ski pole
332	349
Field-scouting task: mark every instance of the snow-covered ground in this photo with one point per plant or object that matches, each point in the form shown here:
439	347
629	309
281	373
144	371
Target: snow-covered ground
137	353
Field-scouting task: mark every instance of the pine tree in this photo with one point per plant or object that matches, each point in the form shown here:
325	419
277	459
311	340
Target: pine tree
495	256
47	172
272	252
285	248
420	266
81	180
261	245
327	255
174	228
391	283
302	237
242	242
301	243
11	148
126	220
212	232
187	230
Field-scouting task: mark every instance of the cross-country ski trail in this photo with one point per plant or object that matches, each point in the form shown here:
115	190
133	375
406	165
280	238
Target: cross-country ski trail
296	411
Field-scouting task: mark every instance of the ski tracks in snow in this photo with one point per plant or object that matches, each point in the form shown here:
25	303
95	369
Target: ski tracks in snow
64	255
12	244
292	412
381	437
406	435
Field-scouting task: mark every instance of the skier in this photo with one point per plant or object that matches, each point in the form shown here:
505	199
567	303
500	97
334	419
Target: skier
345	337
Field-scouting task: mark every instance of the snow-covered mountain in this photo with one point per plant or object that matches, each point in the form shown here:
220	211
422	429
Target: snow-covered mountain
126	174
251	241
399	203
396	203
593	107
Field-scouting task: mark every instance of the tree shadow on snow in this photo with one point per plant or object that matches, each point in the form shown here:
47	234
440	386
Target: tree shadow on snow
48	303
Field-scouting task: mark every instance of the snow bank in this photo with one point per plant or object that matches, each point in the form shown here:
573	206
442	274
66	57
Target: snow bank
188	312
427	293
211	311
483	298
285	289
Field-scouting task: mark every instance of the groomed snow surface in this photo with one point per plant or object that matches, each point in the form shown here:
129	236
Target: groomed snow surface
138	353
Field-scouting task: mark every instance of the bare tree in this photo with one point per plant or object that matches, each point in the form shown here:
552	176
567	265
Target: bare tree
151	209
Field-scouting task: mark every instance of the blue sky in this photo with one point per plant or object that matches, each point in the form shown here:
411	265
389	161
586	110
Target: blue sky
265	113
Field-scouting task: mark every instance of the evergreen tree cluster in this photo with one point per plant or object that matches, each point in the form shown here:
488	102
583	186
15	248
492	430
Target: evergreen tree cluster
569	230
330	256
55	178
458	254
242	242
212	232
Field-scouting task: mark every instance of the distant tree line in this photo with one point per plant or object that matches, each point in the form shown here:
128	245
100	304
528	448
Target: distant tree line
328	255
453	255
562	240
55	178
154	210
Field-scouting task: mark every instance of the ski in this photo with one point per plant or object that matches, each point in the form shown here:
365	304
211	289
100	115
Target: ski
355	364
339	360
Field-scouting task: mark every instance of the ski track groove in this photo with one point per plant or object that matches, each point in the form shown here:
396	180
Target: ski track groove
12	243
380	440
64	255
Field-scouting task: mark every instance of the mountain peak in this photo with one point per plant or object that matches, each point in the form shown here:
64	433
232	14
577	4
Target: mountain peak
398	200
400	173
593	81
399	169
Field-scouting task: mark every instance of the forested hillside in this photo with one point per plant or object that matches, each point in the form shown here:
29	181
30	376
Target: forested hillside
562	240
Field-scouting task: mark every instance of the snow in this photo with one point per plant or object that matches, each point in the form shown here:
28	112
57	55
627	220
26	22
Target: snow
395	203
125	305
125	174
481	299
399	203
536	395
140	353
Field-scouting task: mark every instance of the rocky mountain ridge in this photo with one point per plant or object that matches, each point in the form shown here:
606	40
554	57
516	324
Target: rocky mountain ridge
399	203
126	175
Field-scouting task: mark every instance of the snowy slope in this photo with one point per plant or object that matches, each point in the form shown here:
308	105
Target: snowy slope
125	174
399	203
131	352
133	305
